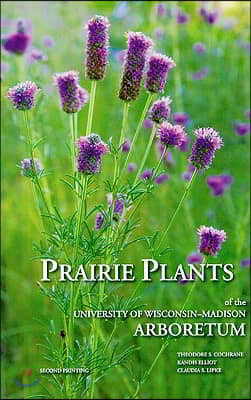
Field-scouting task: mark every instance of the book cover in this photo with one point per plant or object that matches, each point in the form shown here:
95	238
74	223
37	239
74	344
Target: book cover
125	257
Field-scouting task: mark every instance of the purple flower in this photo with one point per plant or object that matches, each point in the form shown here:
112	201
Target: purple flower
199	48
97	47
211	17
72	96
36	55
242	128
23	95
126	145
83	96
119	204
245	263
26	167
18	42
219	183
211	239
170	135
157	72
132	167
99	220
186	176
180	118
181	18
200	74
138	45
160	9
247	114
49	41
194	258
148	124
160	110
161	179
147	174
90	149
204	148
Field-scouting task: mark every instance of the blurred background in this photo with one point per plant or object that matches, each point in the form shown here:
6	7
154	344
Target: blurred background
210	42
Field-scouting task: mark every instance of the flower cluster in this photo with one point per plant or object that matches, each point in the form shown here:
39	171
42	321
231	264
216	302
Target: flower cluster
211	239
97	47
146	174
219	183
204	148
23	95
99	220
18	42
72	96
170	135
134	64
180	118
90	149
242	128
160	110
26	166
157	72
199	48
126	145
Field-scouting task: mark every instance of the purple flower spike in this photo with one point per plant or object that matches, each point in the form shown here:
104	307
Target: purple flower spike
90	149
161	179
194	258
199	48
23	95
245	263
72	96
126	145
97	47
211	17
18	42
134	64
242	128
160	9
36	55
119	204
170	135
204	148
181	18
49	41
180	118
99	220
157	72
26	166
148	124
160	110
83	96
211	239
219	183
147	174
132	167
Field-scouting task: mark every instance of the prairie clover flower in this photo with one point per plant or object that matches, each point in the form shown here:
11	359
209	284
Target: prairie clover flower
181	18
99	220
135	59
18	42
245	263
72	96
26	166
157	72
242	128
199	48
160	110
49	41
97	47
219	183
90	149
211	239
126	145
204	148
180	118
148	124
23	95
170	135
119	204
147	174
161	179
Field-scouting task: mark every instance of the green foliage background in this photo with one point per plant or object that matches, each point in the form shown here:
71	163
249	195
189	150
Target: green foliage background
216	101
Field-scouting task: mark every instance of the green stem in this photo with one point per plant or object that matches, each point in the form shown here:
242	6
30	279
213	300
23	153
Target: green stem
148	102
91	108
121	141
146	154
187	189
37	182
